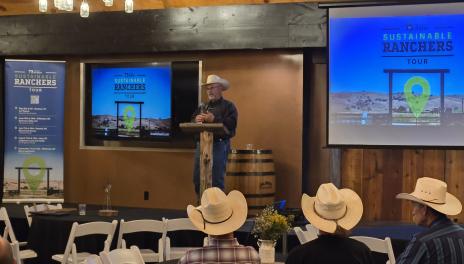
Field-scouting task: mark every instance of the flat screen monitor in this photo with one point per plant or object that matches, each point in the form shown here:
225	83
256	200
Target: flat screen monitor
396	75
131	101
139	104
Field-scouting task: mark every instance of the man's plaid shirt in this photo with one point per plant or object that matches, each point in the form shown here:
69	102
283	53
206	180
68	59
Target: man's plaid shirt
221	251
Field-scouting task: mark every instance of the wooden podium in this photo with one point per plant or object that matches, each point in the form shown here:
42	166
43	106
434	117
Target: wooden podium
206	131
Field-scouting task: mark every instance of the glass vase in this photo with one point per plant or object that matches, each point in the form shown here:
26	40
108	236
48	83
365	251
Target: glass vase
267	250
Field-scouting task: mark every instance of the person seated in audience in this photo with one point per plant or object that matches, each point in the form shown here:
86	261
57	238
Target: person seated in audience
333	212
219	215
443	241
6	254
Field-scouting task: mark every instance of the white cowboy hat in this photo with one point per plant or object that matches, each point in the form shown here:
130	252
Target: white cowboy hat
332	207
219	213
432	193
212	79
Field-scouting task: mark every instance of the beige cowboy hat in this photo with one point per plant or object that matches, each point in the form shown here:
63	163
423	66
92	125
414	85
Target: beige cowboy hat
332	207
213	79
219	213
432	193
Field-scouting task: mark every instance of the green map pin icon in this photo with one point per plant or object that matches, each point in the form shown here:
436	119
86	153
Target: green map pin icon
417	103
34	180
129	117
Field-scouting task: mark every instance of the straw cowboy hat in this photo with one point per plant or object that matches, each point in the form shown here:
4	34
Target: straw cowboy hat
332	207
432	193
213	79
219	213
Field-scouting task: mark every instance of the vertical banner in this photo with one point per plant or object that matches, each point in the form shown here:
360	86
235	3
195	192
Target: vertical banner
34	117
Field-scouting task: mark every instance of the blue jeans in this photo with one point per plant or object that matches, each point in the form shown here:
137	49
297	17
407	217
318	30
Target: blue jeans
220	151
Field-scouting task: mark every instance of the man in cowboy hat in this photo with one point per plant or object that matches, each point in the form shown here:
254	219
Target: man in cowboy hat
334	212
216	110
219	215
6	254
443	241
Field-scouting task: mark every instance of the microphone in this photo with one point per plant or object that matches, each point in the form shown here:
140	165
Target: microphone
204	108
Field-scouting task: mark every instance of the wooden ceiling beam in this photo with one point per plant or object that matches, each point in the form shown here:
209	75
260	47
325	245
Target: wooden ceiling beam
30	7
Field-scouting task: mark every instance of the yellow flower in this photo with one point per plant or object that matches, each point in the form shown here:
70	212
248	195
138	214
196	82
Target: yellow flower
270	225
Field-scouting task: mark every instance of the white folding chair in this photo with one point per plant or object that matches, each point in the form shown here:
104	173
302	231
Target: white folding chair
378	245
39	208
177	225
305	235
70	253
152	226
8	233
122	256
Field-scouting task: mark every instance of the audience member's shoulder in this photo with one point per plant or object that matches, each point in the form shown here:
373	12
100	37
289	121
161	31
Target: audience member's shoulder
253	253
300	248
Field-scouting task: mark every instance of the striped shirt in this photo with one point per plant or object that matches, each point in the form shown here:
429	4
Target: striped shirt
442	243
221	251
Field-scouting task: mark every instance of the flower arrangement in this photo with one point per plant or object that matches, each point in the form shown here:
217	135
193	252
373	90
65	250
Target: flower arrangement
270	225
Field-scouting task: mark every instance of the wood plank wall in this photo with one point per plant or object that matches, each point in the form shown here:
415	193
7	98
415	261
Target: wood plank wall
377	175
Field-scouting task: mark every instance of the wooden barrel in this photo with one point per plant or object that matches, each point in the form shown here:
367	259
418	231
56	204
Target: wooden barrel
252	173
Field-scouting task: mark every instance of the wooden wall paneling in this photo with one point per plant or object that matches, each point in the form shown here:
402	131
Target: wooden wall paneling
434	164
352	161
372	181
319	156
351	170
455	176
413	168
392	185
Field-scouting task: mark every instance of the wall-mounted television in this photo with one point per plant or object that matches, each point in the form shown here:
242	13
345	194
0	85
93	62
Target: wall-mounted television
395	75
139	104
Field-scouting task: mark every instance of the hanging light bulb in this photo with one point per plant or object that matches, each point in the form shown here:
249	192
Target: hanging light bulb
85	9
108	2
59	4
43	5
68	5
129	6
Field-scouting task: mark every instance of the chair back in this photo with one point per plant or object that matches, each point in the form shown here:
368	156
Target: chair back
145	225
78	230
305	235
178	225
122	256
378	245
8	231
39	208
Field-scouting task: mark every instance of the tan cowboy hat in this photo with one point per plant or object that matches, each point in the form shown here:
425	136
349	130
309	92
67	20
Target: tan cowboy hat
332	207
212	79
432	193
219	213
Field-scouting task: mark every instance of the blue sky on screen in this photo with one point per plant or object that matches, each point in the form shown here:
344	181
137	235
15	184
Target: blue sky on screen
356	52
156	97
